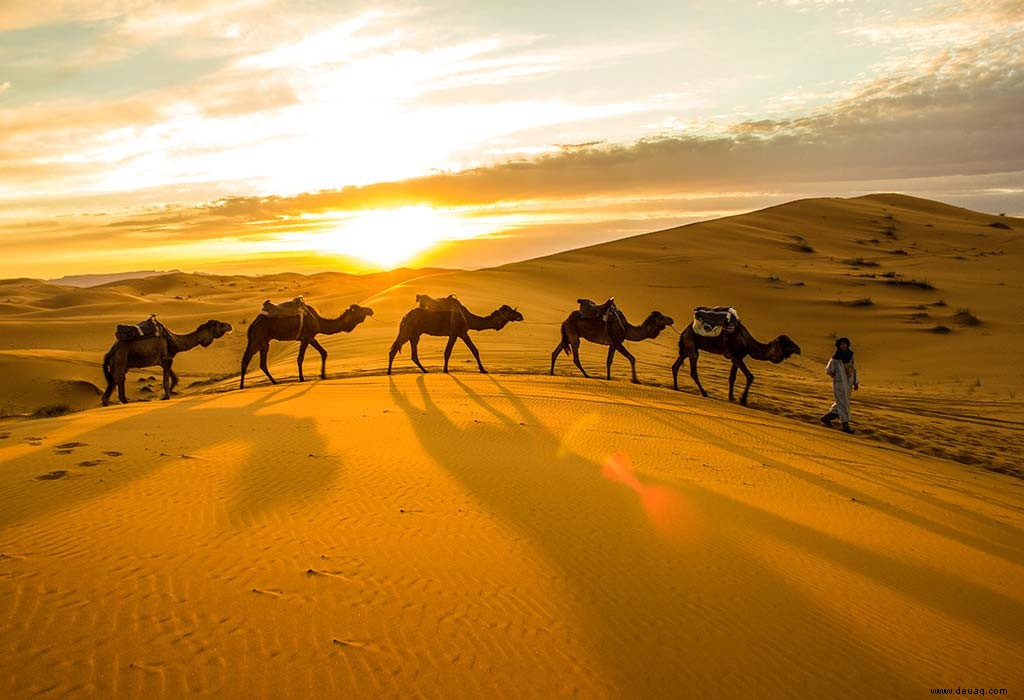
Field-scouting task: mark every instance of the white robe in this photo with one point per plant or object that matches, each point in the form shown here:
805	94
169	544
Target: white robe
844	376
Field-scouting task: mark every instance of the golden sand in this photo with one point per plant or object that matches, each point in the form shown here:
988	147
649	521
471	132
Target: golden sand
519	535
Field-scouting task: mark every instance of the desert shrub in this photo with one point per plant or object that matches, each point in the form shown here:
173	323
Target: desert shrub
965	318
52	410
917	284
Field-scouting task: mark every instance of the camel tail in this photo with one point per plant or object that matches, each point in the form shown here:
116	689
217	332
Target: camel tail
106	367
565	341
403	325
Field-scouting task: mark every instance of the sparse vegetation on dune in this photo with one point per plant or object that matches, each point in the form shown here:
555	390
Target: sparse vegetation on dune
914	283
52	410
966	318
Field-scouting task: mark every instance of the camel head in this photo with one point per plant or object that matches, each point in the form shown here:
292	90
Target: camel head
784	348
659	320
211	330
507	314
359	312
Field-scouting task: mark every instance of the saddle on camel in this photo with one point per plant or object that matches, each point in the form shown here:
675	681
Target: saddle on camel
449	303
143	329
290	309
712	321
591	309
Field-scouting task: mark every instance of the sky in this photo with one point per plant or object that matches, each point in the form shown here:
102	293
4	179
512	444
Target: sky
269	135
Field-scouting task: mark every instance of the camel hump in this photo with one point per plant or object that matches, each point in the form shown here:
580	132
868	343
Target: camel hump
591	309
711	321
449	303
295	307
143	329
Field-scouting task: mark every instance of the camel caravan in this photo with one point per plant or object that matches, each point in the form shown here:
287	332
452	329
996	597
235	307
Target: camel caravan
716	330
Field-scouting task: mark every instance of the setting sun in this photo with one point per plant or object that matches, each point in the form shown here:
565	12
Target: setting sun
390	237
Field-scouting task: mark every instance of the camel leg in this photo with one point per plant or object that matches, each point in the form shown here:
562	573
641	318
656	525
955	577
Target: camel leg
476	353
574	346
629	356
323	357
554	355
120	387
732	379
167	381
111	383
694	375
750	380
302	356
246	359
174	380
675	371
396	347
263	363
611	356
449	346
414	344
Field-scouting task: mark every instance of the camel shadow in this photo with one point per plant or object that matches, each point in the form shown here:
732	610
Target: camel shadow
249	448
615	538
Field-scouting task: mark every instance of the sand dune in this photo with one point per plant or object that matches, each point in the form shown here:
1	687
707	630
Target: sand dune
469	536
519	535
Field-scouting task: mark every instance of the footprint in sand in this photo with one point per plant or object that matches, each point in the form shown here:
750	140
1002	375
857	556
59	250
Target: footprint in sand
70	445
4	436
62	452
113	453
91	462
59	474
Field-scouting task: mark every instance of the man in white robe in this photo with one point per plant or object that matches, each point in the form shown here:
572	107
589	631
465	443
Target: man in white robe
844	380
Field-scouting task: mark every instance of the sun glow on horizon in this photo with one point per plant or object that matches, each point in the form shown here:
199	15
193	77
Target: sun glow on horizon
390	237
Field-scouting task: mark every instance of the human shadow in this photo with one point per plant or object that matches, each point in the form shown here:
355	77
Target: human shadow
675	588
1009	552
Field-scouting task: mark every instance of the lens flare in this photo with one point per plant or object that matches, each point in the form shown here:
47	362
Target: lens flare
666	509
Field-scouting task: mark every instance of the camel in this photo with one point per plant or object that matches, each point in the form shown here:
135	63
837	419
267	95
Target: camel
734	346
612	333
447	317
266	328
154	351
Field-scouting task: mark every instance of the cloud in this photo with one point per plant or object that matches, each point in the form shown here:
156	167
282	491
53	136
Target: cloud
255	148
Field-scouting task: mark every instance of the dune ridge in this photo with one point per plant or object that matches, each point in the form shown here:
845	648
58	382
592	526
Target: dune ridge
520	535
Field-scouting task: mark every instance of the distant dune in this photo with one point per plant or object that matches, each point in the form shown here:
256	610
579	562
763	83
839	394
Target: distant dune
520	535
93	280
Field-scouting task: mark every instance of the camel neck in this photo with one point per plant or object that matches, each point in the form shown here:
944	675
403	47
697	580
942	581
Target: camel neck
642	332
758	350
181	343
343	324
493	321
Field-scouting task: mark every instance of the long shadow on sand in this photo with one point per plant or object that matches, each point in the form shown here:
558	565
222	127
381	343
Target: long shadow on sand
262	438
1012	553
662	609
